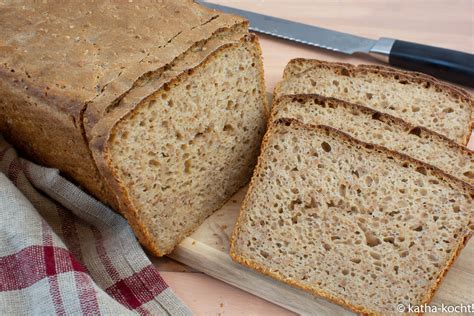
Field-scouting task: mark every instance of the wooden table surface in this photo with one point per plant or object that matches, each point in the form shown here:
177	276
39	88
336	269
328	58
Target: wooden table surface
445	23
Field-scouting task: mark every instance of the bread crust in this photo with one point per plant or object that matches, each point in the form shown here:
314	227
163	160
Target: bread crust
388	72
30	123
400	158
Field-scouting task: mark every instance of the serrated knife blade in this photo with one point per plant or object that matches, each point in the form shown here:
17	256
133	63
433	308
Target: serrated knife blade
301	33
444	63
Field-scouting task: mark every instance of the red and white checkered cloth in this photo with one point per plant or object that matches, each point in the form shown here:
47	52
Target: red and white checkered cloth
62	252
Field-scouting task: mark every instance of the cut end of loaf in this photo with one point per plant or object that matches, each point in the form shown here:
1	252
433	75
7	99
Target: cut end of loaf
352	222
186	150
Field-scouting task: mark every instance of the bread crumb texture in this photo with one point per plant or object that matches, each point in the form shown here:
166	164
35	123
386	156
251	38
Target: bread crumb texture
186	150
355	223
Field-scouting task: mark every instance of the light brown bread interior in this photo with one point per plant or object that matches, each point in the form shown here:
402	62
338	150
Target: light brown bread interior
381	129
355	223
416	99
185	150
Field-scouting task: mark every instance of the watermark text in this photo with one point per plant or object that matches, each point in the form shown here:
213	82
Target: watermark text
426	308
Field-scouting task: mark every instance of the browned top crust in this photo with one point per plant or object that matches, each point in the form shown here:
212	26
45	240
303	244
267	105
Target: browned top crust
76	52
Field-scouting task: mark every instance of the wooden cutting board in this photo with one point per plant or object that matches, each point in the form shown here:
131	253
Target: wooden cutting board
207	250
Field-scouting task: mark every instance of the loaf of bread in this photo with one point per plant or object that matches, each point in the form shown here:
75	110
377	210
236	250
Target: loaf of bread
155	108
356	223
381	129
418	99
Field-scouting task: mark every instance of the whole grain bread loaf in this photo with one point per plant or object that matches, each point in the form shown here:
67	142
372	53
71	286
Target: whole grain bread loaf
418	99
155	108
382	129
356	223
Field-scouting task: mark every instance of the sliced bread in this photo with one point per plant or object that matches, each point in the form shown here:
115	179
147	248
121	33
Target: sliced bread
371	126
360	225
418	99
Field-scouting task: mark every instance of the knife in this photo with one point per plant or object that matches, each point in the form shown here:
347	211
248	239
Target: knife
443	63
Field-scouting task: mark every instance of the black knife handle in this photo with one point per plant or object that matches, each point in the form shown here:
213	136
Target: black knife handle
439	62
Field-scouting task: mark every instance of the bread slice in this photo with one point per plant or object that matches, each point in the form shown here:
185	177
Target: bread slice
381	129
355	223
418	99
299	65
160	117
